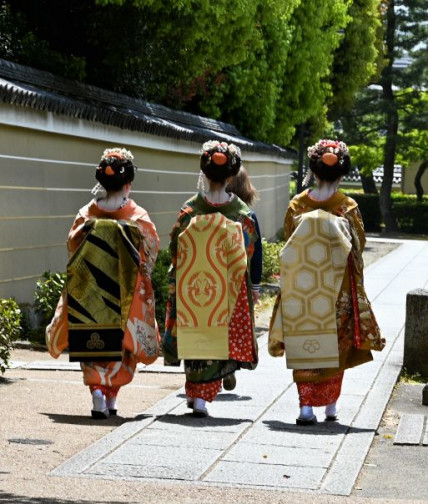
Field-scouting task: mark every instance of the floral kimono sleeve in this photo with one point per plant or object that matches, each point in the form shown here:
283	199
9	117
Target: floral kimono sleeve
169	340
289	224
57	331
358	237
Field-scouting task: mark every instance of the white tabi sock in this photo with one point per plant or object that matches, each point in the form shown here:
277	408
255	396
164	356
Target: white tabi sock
330	410
306	413
98	400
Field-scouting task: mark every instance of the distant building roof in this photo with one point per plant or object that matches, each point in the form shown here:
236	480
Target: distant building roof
29	87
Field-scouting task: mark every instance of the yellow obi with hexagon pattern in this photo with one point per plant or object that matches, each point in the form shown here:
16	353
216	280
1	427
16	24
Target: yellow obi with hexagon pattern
312	267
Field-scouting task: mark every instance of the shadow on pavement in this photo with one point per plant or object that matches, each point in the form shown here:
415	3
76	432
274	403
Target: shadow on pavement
321	428
225	397
188	419
8	381
86	420
22	499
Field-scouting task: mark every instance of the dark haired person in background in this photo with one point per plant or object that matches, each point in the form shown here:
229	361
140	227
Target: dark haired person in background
241	186
322	319
106	314
209	319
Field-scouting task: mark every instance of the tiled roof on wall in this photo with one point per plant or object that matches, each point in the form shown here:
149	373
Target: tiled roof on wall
29	87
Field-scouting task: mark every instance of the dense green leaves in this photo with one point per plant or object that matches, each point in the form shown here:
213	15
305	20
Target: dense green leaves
264	65
48	292
10	329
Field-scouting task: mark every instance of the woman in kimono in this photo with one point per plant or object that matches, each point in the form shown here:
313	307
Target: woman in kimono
346	332
94	302
243	188
214	344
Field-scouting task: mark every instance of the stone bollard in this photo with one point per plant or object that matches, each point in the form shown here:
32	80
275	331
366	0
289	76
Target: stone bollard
416	332
425	395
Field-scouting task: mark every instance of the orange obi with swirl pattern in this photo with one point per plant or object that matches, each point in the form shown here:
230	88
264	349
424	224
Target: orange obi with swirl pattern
211	264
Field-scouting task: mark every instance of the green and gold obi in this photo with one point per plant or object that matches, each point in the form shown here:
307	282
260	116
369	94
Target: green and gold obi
101	277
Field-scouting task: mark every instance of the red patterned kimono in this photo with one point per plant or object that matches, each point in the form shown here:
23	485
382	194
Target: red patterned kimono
204	375
141	339
357	329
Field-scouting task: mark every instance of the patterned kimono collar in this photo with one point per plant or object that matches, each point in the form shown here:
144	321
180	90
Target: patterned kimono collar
123	213
337	200
233	207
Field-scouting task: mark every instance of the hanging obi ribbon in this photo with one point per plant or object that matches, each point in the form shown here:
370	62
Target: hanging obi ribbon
312	267
211	264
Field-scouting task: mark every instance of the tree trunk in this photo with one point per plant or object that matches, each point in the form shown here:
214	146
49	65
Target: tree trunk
368	183
385	200
418	184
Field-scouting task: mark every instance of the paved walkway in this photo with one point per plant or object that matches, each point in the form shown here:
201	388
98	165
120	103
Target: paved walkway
250	439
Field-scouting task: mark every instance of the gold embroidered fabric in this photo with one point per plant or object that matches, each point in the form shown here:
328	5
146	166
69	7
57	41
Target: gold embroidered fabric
312	265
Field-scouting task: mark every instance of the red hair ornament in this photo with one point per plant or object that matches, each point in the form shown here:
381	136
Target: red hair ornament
329	158
219	158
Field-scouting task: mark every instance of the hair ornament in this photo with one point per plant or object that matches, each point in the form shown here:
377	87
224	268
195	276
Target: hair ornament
219	158
109	171
329	158
331	146
118	153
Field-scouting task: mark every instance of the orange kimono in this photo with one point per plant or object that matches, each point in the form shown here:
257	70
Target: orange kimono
141	338
357	329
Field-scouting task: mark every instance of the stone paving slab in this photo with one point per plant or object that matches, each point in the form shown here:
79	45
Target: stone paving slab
410	430
251	440
198	439
255	453
425	439
266	475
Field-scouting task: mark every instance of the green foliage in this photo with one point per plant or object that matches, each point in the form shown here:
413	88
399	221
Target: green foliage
356	60
369	208
48	292
270	260
411	215
161	285
265	65
10	329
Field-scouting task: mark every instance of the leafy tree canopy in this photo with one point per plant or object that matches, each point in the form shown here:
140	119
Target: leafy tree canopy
264	65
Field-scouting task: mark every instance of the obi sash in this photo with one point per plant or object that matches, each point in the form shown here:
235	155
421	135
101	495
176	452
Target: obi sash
312	267
101	278
211	264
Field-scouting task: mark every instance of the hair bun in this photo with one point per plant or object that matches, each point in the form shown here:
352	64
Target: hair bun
220	160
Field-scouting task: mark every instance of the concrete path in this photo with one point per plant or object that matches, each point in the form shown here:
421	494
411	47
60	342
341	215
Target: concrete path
250	439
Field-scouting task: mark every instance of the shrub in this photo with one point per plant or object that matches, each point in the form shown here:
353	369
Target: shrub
270	260
10	329
160	285
48	292
411	214
369	208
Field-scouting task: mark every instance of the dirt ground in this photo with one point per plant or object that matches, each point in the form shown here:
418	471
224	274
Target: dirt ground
45	420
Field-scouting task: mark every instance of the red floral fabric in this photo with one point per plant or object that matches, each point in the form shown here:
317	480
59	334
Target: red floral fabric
320	393
207	391
241	344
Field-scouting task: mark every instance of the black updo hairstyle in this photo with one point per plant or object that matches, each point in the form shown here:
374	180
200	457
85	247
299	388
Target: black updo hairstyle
115	169
326	172
210	165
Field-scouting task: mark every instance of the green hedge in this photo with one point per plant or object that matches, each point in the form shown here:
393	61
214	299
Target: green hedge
270	271
411	215
161	285
370	211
